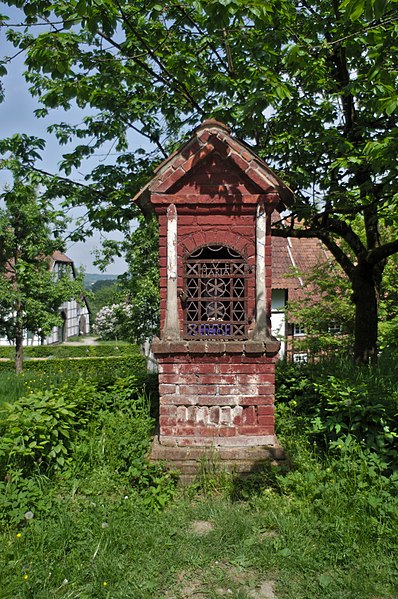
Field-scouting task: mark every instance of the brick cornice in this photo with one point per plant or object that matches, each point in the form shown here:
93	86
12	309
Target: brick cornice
269	347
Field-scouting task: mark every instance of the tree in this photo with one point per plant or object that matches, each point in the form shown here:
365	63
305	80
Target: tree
311	84
141	282
138	288
325	311
104	293
30	295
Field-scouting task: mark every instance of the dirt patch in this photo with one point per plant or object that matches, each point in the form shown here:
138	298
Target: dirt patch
268	534
266	590
244	580
201	527
186	587
221	580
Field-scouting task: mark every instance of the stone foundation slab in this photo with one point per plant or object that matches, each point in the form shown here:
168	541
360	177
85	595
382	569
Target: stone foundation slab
189	461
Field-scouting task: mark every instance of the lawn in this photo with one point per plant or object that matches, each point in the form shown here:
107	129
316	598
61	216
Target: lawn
95	519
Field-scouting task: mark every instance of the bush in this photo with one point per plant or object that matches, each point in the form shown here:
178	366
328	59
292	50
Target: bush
112	322
37	430
37	434
349	404
79	431
72	351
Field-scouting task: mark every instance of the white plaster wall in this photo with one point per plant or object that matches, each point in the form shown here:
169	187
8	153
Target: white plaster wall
278	318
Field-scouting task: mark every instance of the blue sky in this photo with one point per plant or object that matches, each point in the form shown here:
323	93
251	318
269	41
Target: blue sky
16	116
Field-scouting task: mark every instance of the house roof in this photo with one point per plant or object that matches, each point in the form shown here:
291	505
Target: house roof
212	138
292	258
55	257
60	257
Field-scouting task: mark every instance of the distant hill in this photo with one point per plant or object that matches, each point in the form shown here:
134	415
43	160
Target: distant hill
90	279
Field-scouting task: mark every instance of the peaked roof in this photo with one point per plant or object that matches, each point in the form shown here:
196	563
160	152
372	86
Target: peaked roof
292	258
60	257
211	139
53	259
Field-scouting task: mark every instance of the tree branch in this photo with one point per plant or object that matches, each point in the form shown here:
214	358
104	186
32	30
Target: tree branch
152	54
152	138
382	252
345	232
214	49
66	180
331	225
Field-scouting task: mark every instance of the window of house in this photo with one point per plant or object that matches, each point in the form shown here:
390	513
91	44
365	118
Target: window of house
334	328
62	269
215	294
298	329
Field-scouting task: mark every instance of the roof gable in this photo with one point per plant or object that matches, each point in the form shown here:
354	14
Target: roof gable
215	175
58	256
237	169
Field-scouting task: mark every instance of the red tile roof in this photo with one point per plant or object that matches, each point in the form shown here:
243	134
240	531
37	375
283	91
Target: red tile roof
292	258
60	257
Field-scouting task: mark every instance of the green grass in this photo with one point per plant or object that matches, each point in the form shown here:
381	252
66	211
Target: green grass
12	386
108	524
89	540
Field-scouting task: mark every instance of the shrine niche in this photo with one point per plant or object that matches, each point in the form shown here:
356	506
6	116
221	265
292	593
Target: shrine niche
213	199
214	296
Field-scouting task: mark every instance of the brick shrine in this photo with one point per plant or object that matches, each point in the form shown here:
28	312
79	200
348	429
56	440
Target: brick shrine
213	199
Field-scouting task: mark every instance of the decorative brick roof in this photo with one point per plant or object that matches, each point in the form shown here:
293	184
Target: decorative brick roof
212	139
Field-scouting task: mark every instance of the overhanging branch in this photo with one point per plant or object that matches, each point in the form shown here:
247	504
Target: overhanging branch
345	232
382	252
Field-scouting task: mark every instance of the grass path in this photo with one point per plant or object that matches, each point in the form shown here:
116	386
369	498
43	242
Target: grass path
198	548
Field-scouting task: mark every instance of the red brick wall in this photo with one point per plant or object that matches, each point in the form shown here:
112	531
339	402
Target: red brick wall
225	400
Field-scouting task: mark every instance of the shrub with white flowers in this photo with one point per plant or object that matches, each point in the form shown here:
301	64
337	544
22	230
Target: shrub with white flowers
112	322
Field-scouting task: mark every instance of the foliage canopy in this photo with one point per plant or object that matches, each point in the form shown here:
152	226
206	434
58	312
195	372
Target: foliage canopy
312	85
30	292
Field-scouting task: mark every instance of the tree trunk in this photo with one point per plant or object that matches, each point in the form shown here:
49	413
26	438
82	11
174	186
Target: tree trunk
365	298
19	342
18	353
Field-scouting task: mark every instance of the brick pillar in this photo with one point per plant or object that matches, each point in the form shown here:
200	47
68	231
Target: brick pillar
222	396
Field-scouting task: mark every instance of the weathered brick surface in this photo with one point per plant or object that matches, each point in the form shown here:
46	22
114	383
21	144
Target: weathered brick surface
216	397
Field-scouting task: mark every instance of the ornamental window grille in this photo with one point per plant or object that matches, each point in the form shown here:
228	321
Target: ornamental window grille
215	282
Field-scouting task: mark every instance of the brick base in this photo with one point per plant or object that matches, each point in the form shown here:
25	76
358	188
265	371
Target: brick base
190	461
221	396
